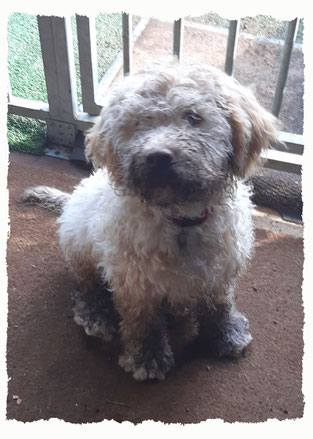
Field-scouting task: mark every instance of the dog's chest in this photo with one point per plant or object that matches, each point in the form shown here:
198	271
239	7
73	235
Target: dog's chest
188	241
187	268
193	254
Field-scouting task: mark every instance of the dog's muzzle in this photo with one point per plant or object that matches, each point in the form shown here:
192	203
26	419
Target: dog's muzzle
158	177
159	165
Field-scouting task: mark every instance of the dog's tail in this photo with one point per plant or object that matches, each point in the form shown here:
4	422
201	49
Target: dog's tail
47	197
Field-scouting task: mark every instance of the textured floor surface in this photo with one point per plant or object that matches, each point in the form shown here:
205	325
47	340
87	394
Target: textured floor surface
57	371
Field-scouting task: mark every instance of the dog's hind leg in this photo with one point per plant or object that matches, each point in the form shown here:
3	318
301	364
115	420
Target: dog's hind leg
94	310
92	301
223	329
143	330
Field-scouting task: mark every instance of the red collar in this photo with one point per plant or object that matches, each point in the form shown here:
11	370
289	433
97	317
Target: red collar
190	222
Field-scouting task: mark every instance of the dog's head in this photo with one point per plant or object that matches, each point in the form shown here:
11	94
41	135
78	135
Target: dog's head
171	134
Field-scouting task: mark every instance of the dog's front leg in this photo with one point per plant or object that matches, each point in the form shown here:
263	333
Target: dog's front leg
223	329
143	330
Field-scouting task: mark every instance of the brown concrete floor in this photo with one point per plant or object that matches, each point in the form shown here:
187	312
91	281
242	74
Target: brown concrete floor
57	371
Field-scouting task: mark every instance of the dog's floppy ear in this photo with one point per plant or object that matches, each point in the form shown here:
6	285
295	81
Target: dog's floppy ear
252	126
98	146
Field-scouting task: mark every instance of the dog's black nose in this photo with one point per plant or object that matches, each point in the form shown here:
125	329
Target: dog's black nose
160	159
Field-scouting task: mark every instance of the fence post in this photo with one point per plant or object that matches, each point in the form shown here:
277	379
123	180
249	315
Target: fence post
58	60
284	66
87	48
178	31
233	32
127	43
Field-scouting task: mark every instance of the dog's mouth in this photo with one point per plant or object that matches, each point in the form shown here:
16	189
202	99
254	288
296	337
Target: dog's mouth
165	184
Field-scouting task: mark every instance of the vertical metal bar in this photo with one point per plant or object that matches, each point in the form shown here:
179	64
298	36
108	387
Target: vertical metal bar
9	92
233	32
127	43
284	65
58	60
87	49
178	35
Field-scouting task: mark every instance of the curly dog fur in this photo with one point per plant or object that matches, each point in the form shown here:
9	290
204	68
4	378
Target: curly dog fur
164	223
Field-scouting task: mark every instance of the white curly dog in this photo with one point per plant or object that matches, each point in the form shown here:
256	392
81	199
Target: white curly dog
163	226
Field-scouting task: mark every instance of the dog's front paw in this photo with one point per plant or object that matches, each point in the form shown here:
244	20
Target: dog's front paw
147	365
233	336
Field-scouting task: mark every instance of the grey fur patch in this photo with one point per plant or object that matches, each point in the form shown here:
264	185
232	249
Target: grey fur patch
224	330
182	239
46	197
96	313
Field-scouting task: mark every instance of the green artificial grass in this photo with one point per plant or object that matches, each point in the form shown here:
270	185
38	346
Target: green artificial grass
27	81
24	58
26	135
27	74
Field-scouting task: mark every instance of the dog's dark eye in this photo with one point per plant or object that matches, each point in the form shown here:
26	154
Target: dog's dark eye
143	120
193	118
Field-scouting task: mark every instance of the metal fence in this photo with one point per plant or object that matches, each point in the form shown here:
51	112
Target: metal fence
64	117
